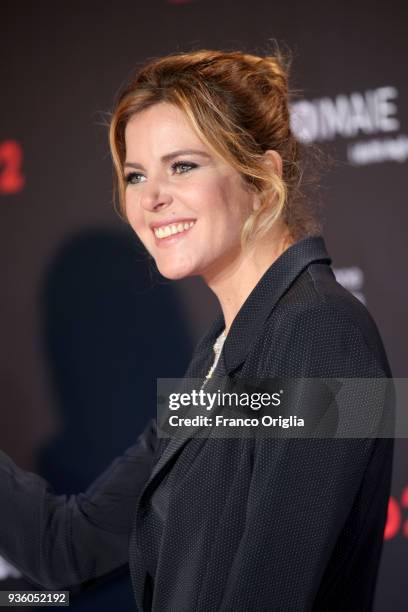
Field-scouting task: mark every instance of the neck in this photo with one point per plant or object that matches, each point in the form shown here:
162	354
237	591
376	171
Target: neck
233	282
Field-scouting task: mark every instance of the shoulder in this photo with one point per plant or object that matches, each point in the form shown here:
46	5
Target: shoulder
318	328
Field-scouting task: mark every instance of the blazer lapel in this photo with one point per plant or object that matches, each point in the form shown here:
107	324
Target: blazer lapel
201	362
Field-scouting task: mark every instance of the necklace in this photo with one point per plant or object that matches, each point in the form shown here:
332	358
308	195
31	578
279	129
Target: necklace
218	344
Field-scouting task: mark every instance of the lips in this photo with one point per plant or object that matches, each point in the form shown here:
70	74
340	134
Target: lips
163	240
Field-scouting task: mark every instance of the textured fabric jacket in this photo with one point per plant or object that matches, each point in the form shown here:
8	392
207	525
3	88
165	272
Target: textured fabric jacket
239	524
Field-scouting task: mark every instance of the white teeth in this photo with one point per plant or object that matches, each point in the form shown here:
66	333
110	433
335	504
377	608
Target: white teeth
175	228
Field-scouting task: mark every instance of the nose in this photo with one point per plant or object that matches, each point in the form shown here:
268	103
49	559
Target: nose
155	197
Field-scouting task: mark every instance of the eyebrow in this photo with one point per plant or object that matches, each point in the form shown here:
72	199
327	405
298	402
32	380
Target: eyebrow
170	156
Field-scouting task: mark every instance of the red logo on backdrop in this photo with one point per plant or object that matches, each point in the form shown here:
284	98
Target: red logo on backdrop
11	177
395	521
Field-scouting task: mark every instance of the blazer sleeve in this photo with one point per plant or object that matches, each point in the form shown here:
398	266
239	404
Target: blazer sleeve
303	492
63	542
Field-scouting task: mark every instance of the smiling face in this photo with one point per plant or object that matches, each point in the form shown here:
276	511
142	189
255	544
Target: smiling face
187	208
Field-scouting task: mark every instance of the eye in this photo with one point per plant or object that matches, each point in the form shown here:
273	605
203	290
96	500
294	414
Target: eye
182	164
131	178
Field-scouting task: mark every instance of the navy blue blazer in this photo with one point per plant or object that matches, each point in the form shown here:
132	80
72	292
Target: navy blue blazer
231	524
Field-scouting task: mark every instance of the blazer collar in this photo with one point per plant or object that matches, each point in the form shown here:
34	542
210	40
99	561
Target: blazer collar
261	301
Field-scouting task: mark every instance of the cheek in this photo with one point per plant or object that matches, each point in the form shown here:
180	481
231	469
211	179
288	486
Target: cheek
135	220
133	212
233	202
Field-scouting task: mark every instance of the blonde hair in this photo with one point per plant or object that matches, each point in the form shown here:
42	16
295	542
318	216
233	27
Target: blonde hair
238	104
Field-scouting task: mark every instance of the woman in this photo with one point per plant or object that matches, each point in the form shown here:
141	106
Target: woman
208	174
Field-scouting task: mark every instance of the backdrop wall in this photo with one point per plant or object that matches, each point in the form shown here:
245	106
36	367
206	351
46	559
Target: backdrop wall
79	296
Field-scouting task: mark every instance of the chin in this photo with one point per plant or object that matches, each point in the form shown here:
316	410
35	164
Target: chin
174	272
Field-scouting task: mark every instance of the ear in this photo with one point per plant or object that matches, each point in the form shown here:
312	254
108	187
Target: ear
256	202
272	157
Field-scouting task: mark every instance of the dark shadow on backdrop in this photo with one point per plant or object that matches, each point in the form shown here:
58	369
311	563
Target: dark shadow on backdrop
112	325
